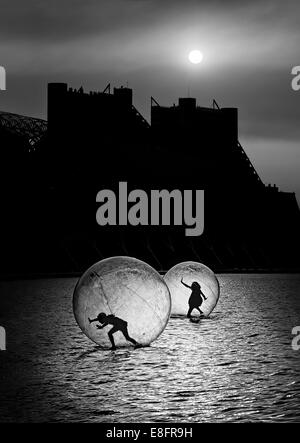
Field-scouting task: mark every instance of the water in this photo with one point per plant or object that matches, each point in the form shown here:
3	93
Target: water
238	365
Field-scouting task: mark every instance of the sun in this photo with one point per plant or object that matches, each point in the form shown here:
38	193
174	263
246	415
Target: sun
195	56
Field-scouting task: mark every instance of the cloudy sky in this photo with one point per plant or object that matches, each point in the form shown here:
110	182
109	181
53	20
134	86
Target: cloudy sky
249	49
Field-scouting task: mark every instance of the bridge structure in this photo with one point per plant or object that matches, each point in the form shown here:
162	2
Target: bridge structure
29	128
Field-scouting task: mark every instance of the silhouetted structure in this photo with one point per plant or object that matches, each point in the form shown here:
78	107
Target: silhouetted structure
209	135
93	141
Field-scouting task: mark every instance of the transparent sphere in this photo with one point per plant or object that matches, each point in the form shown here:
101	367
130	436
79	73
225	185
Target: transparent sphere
131	297
193	287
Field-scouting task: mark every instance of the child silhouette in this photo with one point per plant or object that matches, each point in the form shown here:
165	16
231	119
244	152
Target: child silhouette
118	325
195	300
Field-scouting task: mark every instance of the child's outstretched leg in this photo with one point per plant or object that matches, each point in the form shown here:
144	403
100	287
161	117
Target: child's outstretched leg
201	313
127	336
189	312
110	336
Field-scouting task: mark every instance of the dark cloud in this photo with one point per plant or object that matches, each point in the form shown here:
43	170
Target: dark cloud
67	19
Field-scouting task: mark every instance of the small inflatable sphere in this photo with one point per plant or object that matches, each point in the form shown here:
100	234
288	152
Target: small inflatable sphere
193	287
131	297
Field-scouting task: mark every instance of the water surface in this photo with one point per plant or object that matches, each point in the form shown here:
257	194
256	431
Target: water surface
238	365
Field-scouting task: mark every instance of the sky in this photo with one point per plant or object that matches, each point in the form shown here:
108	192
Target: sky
249	49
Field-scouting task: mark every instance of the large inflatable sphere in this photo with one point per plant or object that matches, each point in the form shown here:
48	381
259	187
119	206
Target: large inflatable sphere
194	289
121	301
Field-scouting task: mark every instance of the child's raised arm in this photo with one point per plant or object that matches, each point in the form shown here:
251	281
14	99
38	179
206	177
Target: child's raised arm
184	284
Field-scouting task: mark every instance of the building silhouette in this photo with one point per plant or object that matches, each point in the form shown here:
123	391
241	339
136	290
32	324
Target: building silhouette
94	140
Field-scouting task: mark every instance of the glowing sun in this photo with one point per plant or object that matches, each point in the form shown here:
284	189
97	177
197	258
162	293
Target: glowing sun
195	56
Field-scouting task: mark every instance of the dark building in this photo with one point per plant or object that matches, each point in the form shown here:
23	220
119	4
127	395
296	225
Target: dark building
97	131
95	140
209	135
